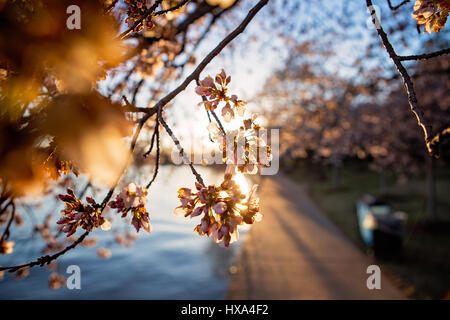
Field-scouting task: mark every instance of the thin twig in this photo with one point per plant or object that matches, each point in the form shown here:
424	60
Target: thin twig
209	120
218	122
182	152
136	90
174	8
157	160
425	56
212	111
152	141
397	6
5	234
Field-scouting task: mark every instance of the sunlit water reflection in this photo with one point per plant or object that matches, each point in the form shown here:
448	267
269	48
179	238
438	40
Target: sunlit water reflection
170	263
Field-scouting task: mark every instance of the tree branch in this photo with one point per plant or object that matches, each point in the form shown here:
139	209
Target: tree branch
409	86
111	6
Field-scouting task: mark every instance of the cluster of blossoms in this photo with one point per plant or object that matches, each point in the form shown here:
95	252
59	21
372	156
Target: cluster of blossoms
136	10
56	280
104	253
6	247
89	242
57	168
244	149
432	13
215	92
76	214
133	198
51	241
125	240
22	273
223	207
64	167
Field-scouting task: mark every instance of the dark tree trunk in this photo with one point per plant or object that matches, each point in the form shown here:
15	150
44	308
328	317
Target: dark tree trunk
335	176
431	189
382	177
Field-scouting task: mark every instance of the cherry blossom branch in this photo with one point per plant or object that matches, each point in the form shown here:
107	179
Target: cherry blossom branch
425	56
79	196
144	16
41	261
199	11
409	86
196	73
193	76
397	6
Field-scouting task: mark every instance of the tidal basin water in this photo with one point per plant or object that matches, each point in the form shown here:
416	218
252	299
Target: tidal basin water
172	262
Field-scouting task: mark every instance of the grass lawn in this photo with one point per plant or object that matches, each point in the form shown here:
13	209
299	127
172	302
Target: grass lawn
422	271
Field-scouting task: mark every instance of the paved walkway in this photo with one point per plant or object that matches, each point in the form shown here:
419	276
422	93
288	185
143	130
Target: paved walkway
297	253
